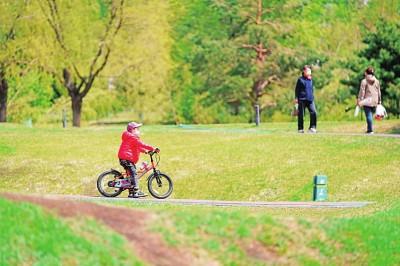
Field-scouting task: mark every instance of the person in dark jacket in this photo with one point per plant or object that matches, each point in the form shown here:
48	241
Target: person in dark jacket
304	97
129	153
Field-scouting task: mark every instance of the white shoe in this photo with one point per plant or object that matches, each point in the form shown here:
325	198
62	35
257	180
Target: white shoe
301	131
369	132
312	130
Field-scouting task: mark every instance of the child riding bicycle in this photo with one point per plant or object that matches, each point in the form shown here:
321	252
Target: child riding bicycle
129	153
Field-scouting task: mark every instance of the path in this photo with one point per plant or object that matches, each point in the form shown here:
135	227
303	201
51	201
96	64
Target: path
265	204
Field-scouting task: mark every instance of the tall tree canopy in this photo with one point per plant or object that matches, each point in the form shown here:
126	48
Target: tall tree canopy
83	43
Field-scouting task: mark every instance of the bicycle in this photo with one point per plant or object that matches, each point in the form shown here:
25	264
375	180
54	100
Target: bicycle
111	183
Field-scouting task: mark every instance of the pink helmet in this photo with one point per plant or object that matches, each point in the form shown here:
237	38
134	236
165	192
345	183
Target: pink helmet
132	125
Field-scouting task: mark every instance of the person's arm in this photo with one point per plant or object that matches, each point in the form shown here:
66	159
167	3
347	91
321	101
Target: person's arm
361	93
379	93
144	147
297	90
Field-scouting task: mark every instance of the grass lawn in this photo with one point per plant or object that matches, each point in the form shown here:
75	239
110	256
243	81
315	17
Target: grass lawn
237	162
223	162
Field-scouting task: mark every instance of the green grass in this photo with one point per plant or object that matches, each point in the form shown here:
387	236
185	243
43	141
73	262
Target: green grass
227	234
209	162
237	162
372	240
6	150
30	236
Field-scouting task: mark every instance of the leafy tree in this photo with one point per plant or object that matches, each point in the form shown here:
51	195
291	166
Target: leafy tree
139	66
11	13
260	36
84	35
382	51
227	51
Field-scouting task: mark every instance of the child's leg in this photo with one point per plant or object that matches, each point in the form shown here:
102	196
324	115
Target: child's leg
131	168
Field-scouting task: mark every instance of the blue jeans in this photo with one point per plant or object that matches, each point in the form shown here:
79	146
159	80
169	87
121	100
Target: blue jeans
303	104
368	115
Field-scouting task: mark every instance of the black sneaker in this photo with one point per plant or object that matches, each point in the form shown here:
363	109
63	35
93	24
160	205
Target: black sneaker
136	194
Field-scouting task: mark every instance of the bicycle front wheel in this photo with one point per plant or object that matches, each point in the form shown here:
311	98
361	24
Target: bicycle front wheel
160	185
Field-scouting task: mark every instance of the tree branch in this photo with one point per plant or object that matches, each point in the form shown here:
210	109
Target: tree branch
54	21
249	46
251	18
268	81
266	10
274	25
10	34
92	77
93	73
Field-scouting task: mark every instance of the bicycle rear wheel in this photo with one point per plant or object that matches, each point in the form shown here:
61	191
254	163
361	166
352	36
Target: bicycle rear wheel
105	183
160	185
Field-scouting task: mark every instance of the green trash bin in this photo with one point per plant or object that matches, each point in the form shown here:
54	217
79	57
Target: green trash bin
320	192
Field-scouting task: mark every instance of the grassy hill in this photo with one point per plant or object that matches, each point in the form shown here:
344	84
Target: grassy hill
232	162
31	236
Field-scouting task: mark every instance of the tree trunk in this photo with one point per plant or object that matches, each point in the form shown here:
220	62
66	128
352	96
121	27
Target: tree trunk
3	96
76	110
257	90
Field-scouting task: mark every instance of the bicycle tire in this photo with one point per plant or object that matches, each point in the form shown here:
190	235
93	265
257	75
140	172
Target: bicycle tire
160	179
100	187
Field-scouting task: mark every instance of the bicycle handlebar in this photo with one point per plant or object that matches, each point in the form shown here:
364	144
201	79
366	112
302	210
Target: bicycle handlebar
153	152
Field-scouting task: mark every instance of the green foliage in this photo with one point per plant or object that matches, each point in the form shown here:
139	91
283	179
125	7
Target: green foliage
197	32
140	64
301	32
184	61
186	105
102	103
30	96
30	236
103	8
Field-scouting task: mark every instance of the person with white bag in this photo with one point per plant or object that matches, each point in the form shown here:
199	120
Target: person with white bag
369	96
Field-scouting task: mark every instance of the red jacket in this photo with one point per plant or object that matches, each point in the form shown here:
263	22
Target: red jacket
131	147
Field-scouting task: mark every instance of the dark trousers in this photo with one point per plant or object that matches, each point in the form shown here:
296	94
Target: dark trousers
368	115
303	104
131	168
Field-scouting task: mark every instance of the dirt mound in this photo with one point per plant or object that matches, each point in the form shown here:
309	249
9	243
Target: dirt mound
149	246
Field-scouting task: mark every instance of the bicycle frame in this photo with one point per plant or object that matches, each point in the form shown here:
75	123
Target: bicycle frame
145	171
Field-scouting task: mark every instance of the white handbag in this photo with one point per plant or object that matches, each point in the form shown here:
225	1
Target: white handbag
357	110
380	112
